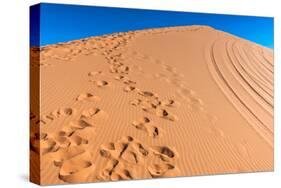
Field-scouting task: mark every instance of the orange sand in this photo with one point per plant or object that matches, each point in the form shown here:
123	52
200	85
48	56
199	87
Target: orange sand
167	102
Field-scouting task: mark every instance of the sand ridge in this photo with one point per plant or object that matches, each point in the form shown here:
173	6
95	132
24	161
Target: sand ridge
153	103
250	91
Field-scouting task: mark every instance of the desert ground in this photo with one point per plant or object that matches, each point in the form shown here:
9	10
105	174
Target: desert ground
166	102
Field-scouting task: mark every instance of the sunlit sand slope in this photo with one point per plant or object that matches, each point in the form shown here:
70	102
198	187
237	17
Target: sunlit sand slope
166	102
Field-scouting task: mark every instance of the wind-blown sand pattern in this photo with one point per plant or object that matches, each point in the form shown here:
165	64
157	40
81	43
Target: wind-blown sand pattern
179	101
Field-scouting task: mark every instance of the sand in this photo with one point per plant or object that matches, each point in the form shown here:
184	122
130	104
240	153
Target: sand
167	102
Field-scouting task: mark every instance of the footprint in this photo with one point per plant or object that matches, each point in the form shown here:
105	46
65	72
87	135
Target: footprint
169	69
45	119
186	92
195	103
42	144
160	75
163	113
77	169
120	77
129	88
94	114
113	69
61	112
66	140
61	142
106	150
161	170
87	97
178	75
124	79
146	105
169	103
52	143
101	83
146	125
177	82
153	106
73	126
121	155
95	73
128	81
158	61
127	148
123	69
164	153
136	102
122	174
66	111
189	96
65	154
148	94
137	68
78	140
114	170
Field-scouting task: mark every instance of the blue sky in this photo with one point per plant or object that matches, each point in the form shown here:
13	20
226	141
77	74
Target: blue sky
61	23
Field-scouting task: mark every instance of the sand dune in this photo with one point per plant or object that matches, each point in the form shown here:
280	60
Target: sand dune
166	102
